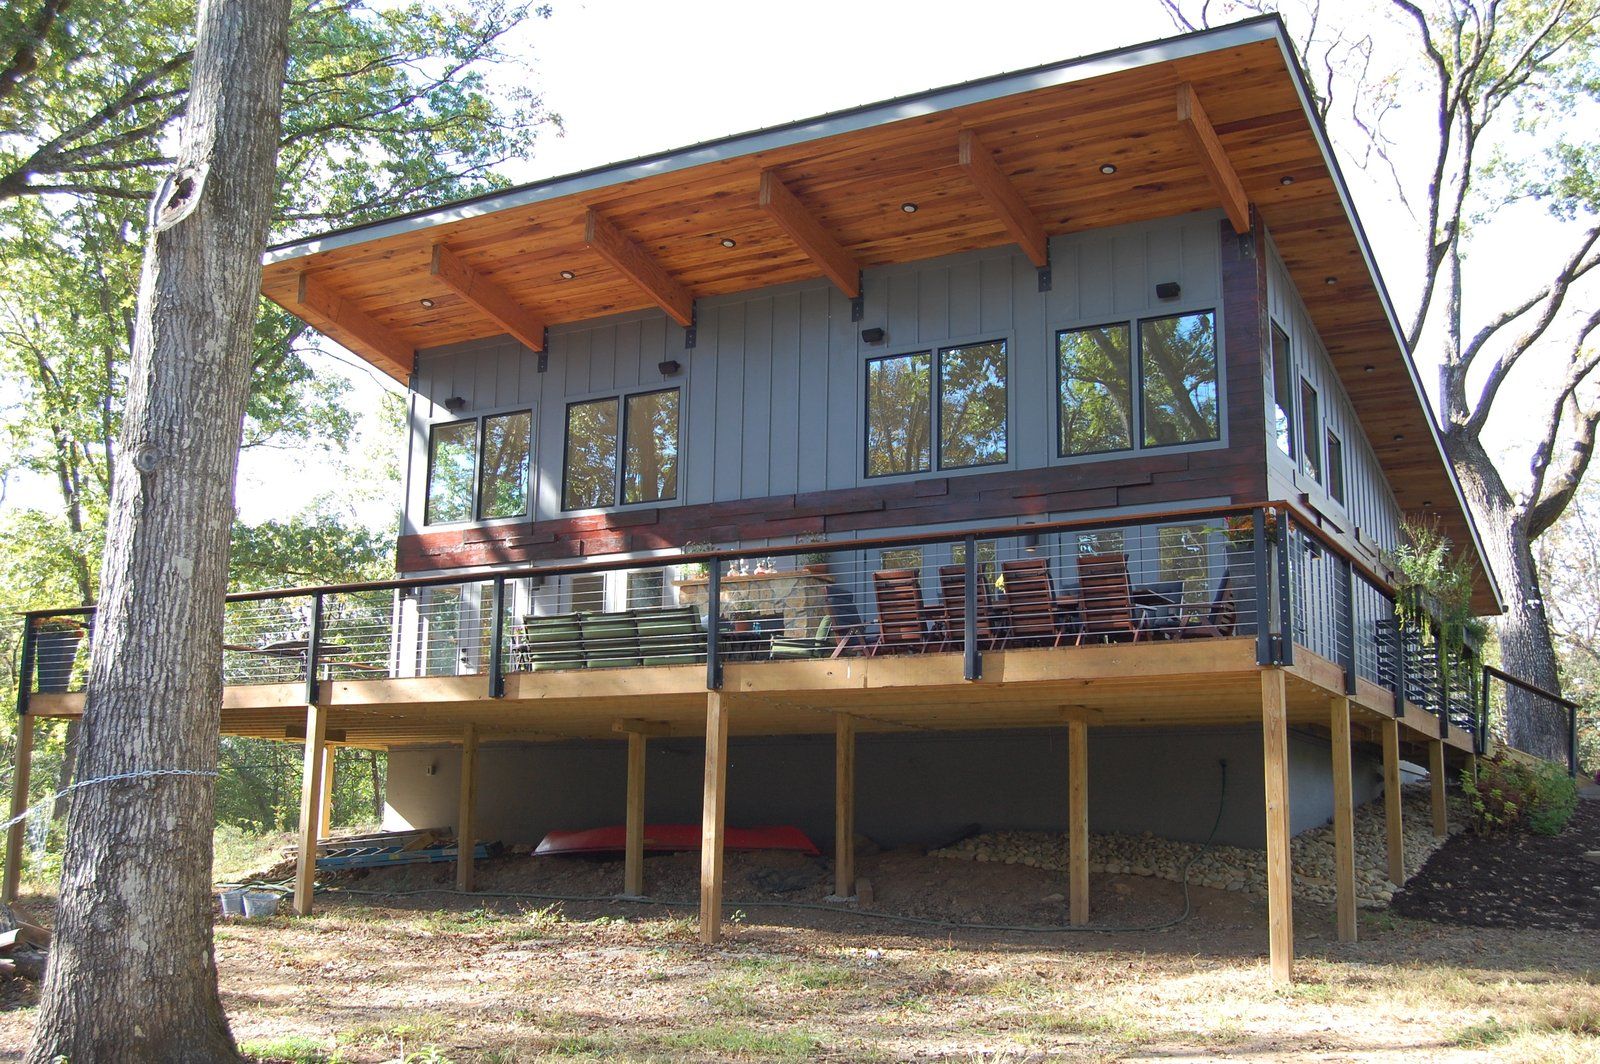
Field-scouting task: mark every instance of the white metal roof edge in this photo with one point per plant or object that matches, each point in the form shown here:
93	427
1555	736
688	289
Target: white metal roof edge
932	101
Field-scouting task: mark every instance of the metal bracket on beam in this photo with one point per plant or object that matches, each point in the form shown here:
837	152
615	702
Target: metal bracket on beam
544	351
1044	272
858	305
691	330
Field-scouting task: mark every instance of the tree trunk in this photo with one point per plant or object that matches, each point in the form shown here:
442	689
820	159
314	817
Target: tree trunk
132	974
1526	648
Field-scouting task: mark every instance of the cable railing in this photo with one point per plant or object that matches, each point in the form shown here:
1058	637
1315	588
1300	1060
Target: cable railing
1260	571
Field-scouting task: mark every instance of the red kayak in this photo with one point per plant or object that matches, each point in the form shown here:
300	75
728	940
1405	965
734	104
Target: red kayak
673	838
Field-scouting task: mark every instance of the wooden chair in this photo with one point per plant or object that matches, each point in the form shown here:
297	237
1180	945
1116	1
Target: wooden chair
1031	602
1223	616
1106	598
845	626
902	617
953	609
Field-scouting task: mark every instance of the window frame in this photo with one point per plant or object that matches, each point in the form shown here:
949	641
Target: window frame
620	398
1275	330
1135	427
934	353
1219	382
475	504
622	446
1338	488
1313	462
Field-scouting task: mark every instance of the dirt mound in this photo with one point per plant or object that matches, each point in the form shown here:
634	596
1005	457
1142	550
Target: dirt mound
1512	880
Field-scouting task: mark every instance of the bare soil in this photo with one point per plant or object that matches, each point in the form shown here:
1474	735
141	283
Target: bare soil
442	977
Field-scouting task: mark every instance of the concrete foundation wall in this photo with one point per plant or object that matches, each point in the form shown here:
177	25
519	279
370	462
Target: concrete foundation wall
910	789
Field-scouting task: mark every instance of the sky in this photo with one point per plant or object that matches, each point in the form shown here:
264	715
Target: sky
629	77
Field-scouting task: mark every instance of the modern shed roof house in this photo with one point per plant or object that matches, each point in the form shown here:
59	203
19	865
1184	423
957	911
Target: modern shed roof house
1061	403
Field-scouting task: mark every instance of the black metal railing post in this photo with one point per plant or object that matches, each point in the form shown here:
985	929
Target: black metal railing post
1480	743
1285	597
713	625
1572	741
497	637
972	666
1442	652
1400	664
1347	652
25	667
1263	579
314	649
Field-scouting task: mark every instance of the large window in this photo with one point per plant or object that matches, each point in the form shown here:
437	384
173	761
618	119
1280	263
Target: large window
1178	379
968	420
1335	468
478	469
646	470
1095	396
1282	392
1311	429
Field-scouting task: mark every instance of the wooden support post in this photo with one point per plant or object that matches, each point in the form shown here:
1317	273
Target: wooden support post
467	815
1280	874
844	805
713	814
1391	801
633	842
1436	777
325	817
1078	822
305	867
16	833
1344	823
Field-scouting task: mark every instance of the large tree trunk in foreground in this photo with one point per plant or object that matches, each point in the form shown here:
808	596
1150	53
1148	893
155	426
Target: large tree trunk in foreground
1527	650
132	975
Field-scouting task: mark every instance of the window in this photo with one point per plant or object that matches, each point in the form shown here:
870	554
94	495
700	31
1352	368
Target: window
901	558
1094	390
503	476
645	588
972	405
452	462
1336	468
650	459
647	471
1178	379
898	404
479	468
1183	555
1282	392
969	419
1311	430
588	593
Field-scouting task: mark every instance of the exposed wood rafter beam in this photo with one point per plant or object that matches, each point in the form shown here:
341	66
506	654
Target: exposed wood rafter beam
1203	139
995	187
783	207
642	727
636	264
487	296
331	313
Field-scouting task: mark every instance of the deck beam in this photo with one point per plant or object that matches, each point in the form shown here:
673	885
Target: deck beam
487	297
1436	778
714	809
844	805
633	839
638	266
1394	828
1280	875
1078	822
467	814
1344	823
1002	196
16	833
1213	158
832	258
311	784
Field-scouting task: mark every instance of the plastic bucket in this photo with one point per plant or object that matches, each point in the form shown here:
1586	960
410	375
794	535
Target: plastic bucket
232	902
260	903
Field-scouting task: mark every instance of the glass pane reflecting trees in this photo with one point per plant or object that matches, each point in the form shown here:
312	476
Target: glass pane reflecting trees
590	478
452	463
972	405
503	479
1178	378
1095	390
650	458
899	399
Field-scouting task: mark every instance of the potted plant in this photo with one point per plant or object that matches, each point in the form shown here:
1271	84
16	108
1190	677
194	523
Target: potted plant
55	647
818	563
694	570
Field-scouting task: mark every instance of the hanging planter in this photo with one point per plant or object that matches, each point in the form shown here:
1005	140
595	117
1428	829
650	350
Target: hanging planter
55	643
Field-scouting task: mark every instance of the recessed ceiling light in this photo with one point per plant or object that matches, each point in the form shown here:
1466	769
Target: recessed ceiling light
427	302
729	242
1369	369
1330	279
1108	168
1399	436
567	275
1286	179
1427	502
909	208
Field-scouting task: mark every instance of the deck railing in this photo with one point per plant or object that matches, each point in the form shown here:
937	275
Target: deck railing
1261	571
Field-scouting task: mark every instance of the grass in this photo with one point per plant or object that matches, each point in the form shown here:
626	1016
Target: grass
239	855
291	1049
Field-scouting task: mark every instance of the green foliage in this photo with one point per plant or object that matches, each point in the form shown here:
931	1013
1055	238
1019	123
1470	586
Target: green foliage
1429	567
1511	794
319	545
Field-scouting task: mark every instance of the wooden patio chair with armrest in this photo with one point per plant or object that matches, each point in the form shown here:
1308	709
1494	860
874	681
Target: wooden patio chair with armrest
841	630
953	609
1031	612
902	617
1106	598
1221	619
